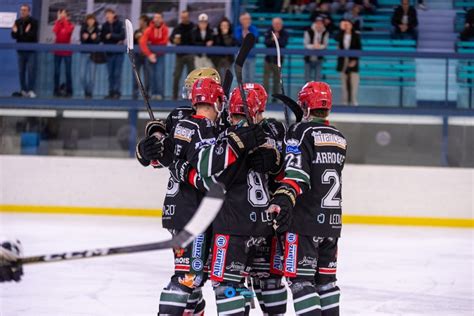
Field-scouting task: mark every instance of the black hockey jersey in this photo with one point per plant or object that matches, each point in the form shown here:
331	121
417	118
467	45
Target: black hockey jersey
244	211
195	140
315	156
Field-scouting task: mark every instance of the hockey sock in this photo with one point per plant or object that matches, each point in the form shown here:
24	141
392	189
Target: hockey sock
229	300
274	296
330	301
258	293
305	298
196	303
173	300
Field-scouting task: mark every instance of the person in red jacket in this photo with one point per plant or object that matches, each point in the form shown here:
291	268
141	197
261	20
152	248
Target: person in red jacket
155	34
63	29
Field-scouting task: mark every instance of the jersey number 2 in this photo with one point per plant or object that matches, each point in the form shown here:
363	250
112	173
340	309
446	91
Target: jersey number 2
329	200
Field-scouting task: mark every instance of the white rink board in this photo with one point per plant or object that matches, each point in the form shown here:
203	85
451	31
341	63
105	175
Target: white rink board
123	183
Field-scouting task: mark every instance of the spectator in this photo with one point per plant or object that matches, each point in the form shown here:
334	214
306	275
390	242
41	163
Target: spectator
156	34
323	11
355	18
113	33
90	34
315	37
405	21
203	36
63	29
140	57
224	38
240	32
468	33
367	6
270	67
182	35
25	30
348	38
341	6
294	6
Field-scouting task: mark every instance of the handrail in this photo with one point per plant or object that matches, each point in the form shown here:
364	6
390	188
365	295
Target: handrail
232	50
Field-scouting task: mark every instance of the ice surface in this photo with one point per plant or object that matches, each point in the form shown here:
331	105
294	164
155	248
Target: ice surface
382	270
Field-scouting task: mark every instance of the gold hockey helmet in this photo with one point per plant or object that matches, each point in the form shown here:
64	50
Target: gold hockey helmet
198	74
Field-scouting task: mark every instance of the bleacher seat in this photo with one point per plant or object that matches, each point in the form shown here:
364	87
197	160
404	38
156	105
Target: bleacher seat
465	73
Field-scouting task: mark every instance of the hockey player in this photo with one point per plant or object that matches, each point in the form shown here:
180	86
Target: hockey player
194	141
153	148
310	195
243	227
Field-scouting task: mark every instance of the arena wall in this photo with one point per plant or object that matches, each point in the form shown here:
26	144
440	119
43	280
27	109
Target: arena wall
372	194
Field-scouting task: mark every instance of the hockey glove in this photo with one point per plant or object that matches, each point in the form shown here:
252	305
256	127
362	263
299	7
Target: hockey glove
246	138
156	126
265	159
149	148
179	170
10	268
282	205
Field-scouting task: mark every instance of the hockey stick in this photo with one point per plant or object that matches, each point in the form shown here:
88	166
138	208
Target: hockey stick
277	45
202	218
247	45
289	102
227	83
131	56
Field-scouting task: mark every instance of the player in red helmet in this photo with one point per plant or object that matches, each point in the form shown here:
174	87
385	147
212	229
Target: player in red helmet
195	144
315	156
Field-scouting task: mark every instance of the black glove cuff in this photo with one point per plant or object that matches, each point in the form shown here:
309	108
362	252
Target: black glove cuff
155	126
288	193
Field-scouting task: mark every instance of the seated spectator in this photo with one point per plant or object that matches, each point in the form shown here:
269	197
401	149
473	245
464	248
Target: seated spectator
405	21
63	29
294	6
155	34
341	6
25	30
240	32
355	17
348	38
113	33
90	34
203	36
468	33
182	35
315	37
224	37
323	11
140	57
367	6
270	67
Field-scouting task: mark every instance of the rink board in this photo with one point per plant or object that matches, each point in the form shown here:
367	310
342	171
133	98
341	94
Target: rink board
385	195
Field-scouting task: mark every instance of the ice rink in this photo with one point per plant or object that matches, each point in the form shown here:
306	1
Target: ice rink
382	270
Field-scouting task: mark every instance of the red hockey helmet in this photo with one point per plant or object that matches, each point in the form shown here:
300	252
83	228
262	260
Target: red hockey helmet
262	94
236	105
208	91
315	95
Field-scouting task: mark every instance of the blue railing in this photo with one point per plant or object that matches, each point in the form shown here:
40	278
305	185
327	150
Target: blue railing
388	78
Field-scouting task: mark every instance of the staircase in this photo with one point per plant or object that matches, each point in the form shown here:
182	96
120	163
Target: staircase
436	33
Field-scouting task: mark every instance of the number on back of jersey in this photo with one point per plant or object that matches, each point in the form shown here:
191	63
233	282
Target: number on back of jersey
330	176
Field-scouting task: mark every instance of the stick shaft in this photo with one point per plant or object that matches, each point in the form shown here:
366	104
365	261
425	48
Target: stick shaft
277	45
131	56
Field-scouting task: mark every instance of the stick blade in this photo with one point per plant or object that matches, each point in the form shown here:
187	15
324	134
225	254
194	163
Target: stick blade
210	206
247	45
289	102
129	34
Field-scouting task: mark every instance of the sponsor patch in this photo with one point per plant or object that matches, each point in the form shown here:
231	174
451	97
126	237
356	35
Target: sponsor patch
183	133
205	142
197	265
291	255
276	258
197	246
235	266
219	253
308	261
329	139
